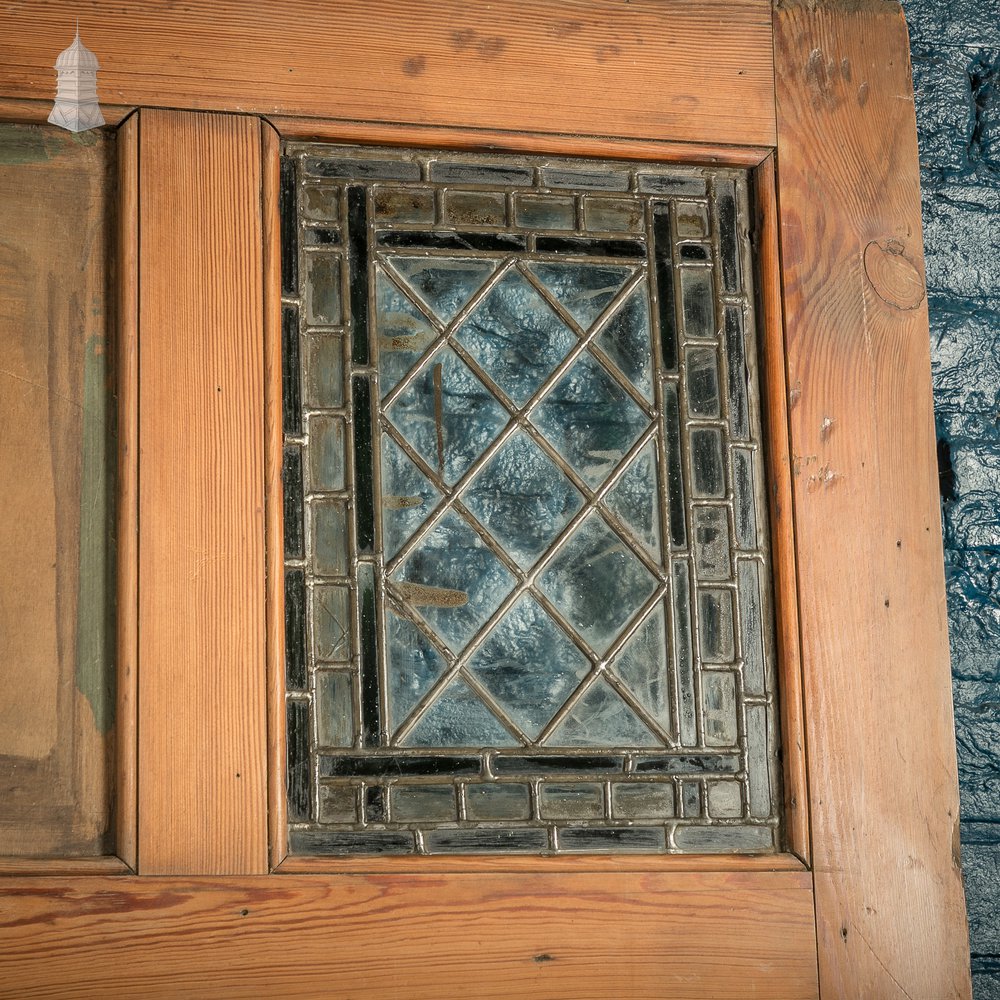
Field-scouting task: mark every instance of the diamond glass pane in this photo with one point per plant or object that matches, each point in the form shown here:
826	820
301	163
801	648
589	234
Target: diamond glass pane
524	608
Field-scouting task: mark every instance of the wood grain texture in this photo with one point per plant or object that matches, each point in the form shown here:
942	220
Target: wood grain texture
778	456
882	775
592	863
56	493
485	140
698	70
202	786
127	534
277	829
492	937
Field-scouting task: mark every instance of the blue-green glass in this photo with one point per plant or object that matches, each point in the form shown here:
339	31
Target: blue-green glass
529	665
590	420
445	284
634	498
597	582
602	719
407	497
447	415
469	580
412	666
523	499
642	666
404	332
458	718
584	290
516	336
626	341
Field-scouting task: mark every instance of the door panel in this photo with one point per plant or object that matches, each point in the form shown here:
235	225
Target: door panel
684	936
849	432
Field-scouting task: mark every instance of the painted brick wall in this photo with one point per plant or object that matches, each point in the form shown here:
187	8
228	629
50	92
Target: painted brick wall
955	47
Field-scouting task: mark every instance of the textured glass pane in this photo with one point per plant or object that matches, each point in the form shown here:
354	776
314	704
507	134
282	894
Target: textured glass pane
526	572
698	302
541	212
497	801
596	582
444	284
529	666
324	366
590	420
715	625
323	285
334	709
515	335
523	499
329	538
626	340
413	664
579	800
602	719
707	462
634	499
407	497
711	542
331	609
642	667
458	718
584	290
404	332
702	382
447	415
452	580
326	453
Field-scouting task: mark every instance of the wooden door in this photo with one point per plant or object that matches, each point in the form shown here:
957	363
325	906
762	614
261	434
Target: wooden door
866	901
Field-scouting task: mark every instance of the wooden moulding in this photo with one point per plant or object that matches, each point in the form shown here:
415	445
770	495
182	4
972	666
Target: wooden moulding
202	728
273	508
127	540
882	775
696	70
778	457
494	937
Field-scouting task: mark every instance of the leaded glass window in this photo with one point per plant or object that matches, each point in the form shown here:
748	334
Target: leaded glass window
526	572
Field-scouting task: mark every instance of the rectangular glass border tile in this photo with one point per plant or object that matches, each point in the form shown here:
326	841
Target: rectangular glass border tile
441	506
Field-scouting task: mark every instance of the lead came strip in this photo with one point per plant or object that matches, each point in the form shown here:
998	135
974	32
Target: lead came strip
515	621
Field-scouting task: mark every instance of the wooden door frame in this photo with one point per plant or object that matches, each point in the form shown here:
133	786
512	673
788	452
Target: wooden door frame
809	95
